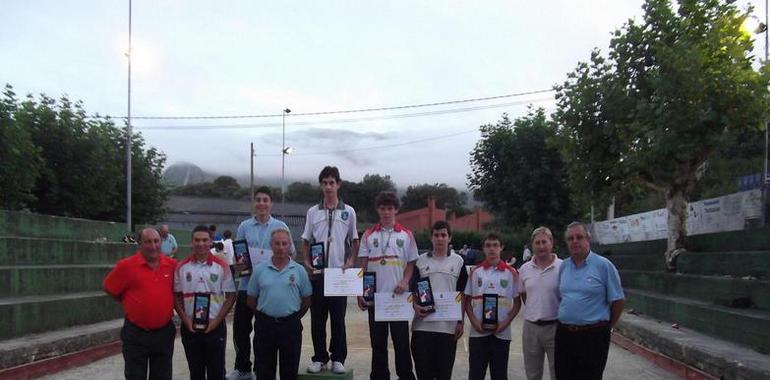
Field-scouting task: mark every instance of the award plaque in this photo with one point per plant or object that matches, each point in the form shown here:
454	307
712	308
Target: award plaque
489	312
370	286
241	258
425	295
317	259
201	302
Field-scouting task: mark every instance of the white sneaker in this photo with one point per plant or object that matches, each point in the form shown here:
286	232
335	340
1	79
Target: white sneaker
238	375
316	367
337	367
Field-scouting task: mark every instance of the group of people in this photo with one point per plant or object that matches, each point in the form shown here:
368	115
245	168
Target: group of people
570	305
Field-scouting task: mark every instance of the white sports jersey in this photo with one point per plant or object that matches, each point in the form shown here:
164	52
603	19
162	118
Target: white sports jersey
502	280
447	274
388	252
208	277
342	221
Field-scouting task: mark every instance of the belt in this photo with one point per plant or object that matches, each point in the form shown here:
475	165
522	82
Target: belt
541	322
288	318
578	328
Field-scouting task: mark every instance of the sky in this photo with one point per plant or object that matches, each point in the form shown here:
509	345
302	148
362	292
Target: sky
242	58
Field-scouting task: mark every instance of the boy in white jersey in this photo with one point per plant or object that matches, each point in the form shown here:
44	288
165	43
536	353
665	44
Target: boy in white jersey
389	250
489	347
434	343
203	274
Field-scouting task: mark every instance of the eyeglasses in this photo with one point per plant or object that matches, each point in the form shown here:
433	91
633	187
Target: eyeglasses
576	238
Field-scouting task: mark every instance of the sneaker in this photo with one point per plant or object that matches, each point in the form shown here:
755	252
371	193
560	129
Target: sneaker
316	367
337	367
239	375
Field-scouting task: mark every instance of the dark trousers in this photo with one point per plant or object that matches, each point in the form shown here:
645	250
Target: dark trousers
205	353
281	340
434	355
399	333
488	351
242	323
321	309
581	355
147	348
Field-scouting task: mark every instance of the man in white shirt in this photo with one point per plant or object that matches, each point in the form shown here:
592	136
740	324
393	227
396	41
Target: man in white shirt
539	289
332	223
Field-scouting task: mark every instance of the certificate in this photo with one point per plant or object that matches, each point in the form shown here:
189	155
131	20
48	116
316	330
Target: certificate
448	307
347	283
393	307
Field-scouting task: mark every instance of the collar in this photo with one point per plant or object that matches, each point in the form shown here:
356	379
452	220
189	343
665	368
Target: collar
257	222
500	265
209	259
586	260
396	227
163	260
290	264
340	205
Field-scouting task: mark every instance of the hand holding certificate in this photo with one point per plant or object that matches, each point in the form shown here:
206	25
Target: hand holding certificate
349	282
389	307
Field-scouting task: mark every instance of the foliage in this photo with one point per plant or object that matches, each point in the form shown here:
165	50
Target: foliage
518	175
361	195
302	192
669	93
447	197
20	161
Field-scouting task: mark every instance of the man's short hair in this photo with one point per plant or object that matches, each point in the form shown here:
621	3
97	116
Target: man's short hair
200	228
440	225
264	190
542	230
491	236
227	234
386	198
329	171
144	231
578	224
280	230
212	227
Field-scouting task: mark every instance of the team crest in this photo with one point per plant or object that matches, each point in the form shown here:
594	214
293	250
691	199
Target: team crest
214	277
400	243
188	276
479	282
345	215
376	243
503	283
291	278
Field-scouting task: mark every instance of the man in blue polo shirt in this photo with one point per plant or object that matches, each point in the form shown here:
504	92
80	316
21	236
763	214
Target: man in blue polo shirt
591	303
256	231
279	294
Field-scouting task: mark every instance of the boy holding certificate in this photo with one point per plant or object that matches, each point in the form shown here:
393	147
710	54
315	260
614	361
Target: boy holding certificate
434	342
390	251
204	292
491	302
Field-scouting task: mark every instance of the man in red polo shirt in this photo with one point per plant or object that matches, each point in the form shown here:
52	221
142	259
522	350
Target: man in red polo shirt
143	284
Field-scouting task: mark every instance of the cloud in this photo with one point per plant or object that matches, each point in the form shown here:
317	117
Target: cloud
337	142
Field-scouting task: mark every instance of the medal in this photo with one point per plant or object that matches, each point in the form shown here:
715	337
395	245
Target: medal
383	261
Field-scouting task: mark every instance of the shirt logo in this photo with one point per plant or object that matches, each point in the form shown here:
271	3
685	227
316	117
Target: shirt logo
345	215
188	276
214	277
400	243
479	282
376	243
291	278
503	283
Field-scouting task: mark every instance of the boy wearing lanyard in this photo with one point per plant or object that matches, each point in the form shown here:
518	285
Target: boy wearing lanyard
256	231
332	223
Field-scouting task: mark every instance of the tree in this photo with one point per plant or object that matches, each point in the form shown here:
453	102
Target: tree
516	173
361	195
670	92
19	157
447	197
302	192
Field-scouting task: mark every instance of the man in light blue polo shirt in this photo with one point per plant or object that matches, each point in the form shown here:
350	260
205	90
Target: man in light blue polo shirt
256	231
279	294
167	241
591	303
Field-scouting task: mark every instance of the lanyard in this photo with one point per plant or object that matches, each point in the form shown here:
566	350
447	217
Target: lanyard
385	243
329	233
263	236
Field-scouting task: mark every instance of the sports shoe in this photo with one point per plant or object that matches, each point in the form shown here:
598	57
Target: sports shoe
337	367
316	367
238	375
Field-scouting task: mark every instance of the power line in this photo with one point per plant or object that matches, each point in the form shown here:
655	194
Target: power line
343	111
337	121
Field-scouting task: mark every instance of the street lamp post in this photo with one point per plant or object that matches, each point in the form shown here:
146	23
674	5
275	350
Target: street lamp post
128	129
283	155
251	176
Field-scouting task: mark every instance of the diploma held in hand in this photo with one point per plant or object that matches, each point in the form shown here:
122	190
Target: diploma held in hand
349	282
389	307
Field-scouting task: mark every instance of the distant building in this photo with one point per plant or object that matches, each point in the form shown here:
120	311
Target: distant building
185	213
422	219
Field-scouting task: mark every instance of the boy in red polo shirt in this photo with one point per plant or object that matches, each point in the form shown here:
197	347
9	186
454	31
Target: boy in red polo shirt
143	284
